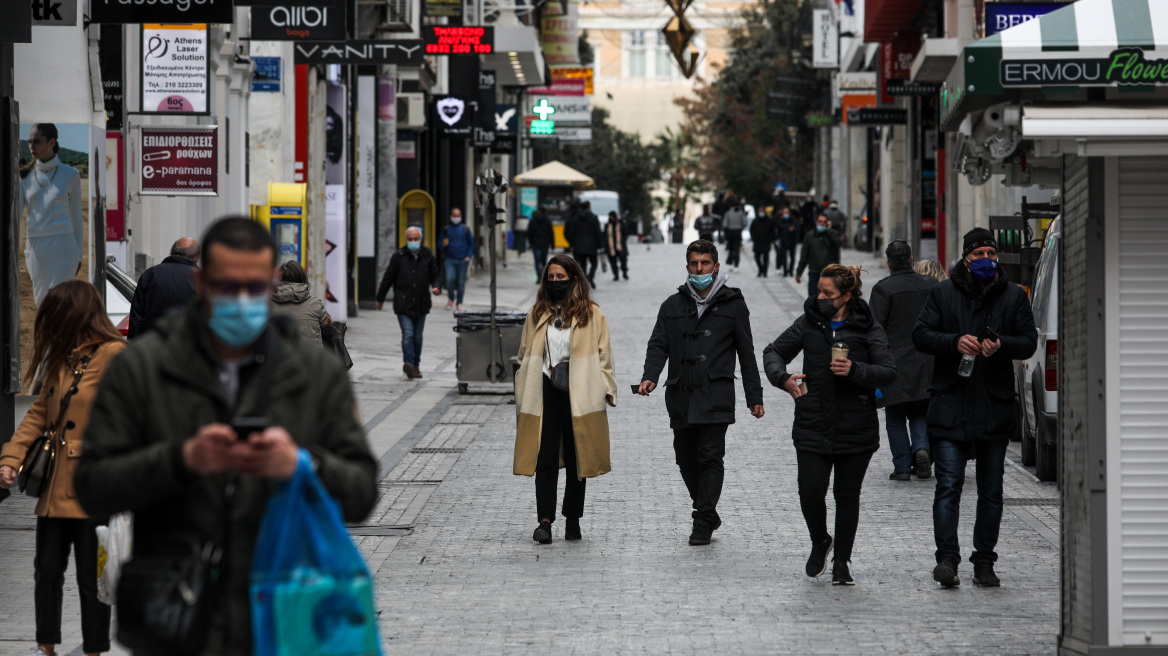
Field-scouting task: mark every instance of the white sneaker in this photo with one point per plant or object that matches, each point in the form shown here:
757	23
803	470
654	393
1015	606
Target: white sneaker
40	652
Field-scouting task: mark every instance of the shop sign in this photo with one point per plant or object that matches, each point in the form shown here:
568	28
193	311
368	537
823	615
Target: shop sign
559	33
176	161
453	117
910	88
402	52
484	127
574	135
176	77
1123	67
161	11
17	24
109	61
565	87
506	119
874	116
1004	15
562	109
294	21
819	120
856	83
458	40
825	40
442	8
115	178
855	101
54	13
267	74
585	73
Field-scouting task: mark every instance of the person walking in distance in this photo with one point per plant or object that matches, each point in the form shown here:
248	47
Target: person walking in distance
73	345
699	331
540	238
164	287
845	359
733	224
762	232
786	242
975	324
458	247
931	268
820	248
896	303
293	298
565	383
413	274
584	239
616	238
706	224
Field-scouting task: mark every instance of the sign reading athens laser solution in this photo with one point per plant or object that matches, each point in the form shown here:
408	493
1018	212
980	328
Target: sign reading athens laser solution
179	161
175	74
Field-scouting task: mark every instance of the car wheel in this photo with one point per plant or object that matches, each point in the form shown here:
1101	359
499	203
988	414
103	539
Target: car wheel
1019	424
1026	436
1046	462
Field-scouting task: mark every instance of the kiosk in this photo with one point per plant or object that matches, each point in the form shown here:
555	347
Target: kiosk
556	183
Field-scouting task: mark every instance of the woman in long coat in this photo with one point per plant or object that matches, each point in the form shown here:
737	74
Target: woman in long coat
563	427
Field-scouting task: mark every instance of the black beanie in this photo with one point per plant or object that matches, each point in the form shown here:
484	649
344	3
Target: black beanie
977	238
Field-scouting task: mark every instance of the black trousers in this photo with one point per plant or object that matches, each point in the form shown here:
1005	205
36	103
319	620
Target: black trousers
785	258
700	449
588	263
762	259
621	258
556	434
733	247
54	537
814	472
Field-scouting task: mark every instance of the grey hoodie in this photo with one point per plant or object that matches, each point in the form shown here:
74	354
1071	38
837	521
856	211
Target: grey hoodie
720	281
293	299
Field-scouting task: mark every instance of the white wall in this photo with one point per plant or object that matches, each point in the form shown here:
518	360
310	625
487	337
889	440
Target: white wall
272	124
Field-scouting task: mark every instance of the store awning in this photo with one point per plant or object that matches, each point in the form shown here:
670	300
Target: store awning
517	58
1092	43
554	174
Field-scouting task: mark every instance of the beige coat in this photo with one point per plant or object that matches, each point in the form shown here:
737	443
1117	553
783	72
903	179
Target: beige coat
60	499
591	388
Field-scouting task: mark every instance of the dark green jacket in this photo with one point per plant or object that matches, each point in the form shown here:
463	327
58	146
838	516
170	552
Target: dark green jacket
819	250
160	391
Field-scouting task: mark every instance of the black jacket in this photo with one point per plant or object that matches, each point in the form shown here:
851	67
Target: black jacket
819	250
539	231
622	244
583	234
411	278
980	407
896	303
762	233
787	231
837	414
699	388
163	287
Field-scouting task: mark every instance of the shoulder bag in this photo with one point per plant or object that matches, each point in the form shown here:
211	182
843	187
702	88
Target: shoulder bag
37	469
559	372
334	340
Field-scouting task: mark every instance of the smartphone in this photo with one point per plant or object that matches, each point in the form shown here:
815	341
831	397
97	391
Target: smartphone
636	389
245	426
990	334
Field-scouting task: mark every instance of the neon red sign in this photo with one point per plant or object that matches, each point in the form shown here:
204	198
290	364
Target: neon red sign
464	40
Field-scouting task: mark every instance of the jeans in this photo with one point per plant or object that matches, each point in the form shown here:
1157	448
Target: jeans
699	449
541	257
895	417
621	259
733	247
456	278
814	471
556	434
949	458
54	536
785	258
763	260
412	328
588	263
812	284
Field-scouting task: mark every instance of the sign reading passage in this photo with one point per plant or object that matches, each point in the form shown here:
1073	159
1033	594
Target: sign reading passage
465	40
161	11
175	75
179	161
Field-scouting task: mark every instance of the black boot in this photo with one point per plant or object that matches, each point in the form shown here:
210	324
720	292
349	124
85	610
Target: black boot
543	533
572	529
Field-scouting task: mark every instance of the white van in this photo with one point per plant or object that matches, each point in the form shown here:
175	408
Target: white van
1037	377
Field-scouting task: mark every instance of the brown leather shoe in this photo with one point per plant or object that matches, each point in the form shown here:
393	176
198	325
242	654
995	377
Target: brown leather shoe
417	373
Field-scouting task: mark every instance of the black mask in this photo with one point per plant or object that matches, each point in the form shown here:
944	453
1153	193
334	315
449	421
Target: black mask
558	289
826	307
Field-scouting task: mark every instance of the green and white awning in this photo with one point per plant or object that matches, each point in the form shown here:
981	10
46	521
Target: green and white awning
1091	43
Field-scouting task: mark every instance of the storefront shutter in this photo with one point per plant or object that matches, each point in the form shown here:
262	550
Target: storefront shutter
1142	197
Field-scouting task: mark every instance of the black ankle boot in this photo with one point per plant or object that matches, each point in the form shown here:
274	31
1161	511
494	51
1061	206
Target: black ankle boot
543	533
572	529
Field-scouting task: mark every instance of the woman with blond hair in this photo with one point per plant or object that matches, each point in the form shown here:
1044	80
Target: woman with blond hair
930	268
566	382
845	359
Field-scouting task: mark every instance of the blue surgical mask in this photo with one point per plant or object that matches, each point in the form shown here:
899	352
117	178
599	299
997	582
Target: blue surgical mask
820	228
413	245
983	270
701	281
238	321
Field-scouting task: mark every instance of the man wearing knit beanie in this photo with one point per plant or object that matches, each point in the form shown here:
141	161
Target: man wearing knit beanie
975	324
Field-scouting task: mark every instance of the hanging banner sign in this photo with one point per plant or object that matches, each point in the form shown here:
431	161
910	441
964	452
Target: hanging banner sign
109	60
562	109
452	117
442	8
161	11
455	40
402	52
321	20
1004	15
54	13
179	161
873	116
856	83
561	73
559	33
564	87
176	77
825	40
115	179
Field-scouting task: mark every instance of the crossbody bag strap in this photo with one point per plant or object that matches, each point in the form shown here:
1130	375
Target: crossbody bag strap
56	433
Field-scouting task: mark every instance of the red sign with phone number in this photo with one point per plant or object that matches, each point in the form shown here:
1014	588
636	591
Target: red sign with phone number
178	161
459	40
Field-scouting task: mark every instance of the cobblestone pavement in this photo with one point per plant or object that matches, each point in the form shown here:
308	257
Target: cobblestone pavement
457	571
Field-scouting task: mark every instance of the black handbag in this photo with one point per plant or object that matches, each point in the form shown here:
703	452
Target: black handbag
334	339
559	372
37	468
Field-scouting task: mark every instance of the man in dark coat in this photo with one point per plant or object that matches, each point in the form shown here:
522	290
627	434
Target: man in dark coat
978	316
762	233
700	330
896	303
414	275
584	240
786	241
820	248
706	224
165	286
540	238
616	246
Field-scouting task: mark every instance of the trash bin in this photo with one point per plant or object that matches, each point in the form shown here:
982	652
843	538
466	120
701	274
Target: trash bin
473	347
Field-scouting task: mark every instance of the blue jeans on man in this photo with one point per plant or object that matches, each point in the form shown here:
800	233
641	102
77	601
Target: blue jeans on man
904	448
411	329
541	256
812	283
456	277
949	458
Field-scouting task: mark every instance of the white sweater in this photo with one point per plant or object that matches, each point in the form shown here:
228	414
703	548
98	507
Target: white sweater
51	193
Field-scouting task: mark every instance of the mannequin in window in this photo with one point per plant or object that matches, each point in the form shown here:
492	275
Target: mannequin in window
51	193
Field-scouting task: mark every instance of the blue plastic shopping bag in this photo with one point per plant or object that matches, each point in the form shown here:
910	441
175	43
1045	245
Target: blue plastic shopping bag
311	594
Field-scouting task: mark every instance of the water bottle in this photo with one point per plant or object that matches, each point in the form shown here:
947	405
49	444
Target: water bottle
965	369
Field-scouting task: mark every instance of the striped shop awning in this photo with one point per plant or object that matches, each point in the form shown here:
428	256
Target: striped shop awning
1092	43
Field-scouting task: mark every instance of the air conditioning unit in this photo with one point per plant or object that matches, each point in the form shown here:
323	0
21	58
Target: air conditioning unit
411	111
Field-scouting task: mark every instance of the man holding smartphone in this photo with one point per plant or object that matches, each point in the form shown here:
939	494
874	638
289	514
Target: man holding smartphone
977	313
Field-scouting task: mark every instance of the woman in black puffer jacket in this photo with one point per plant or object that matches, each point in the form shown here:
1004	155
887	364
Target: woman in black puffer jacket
836	426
